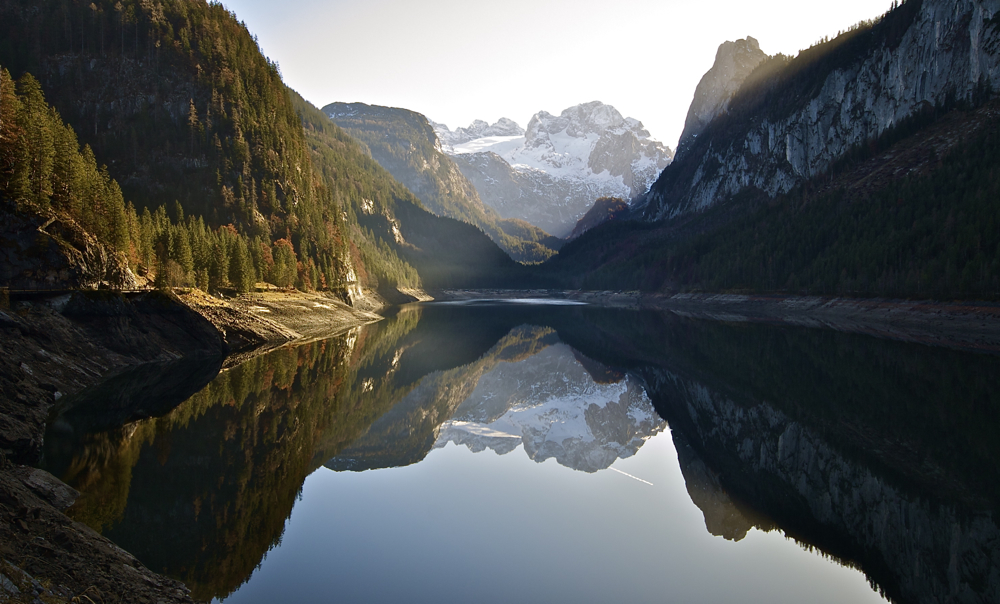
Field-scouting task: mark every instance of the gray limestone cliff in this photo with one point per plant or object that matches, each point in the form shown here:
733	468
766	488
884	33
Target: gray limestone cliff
923	54
733	63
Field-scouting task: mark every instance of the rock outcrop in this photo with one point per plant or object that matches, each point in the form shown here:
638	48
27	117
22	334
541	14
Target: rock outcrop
849	91
46	252
733	63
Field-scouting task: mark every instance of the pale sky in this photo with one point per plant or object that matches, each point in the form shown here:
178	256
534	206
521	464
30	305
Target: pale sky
460	60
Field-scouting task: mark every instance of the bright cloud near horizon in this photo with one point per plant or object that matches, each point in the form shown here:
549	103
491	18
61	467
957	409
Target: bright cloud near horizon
460	60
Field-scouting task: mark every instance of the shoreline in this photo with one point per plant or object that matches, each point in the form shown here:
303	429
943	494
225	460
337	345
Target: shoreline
55	346
963	325
259	323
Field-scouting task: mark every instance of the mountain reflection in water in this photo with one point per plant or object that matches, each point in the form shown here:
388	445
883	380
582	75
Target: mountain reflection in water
882	455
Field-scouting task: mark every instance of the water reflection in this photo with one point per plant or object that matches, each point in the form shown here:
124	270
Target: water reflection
528	389
557	409
883	455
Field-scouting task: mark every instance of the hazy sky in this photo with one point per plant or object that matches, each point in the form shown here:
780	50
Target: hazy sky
459	60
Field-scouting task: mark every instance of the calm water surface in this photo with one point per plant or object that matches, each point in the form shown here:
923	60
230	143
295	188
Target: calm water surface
498	452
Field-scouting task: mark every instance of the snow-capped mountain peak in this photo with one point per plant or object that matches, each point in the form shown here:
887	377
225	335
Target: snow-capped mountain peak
476	130
559	165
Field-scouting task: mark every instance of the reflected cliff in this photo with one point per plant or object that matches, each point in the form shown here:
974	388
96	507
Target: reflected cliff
553	405
883	455
528	389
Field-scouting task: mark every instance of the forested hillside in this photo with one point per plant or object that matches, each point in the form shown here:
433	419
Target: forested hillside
44	171
177	99
198	129
390	227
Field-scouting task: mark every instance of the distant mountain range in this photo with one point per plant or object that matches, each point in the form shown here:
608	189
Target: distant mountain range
551	173
403	143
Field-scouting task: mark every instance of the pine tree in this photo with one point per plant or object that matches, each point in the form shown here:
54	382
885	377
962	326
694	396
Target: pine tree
241	270
35	123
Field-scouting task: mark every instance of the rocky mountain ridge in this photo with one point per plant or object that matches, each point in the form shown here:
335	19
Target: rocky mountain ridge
833	98
477	129
551	175
405	144
733	63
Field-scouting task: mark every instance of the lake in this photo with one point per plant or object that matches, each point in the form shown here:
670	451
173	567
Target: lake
513	451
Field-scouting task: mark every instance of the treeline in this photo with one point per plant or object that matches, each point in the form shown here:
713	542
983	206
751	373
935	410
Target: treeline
42	167
187	253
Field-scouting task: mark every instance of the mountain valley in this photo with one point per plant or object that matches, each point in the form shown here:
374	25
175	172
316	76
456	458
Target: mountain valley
189	243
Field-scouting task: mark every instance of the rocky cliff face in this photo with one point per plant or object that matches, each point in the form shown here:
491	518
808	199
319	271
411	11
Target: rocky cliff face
916	549
923	54
551	175
733	63
53	252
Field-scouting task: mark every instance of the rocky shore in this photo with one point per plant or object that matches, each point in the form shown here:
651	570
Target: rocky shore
54	346
959	325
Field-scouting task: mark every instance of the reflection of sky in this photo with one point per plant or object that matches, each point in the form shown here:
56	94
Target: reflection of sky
461	527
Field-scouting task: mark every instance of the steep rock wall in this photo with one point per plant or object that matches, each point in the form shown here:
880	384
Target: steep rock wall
948	52
733	63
